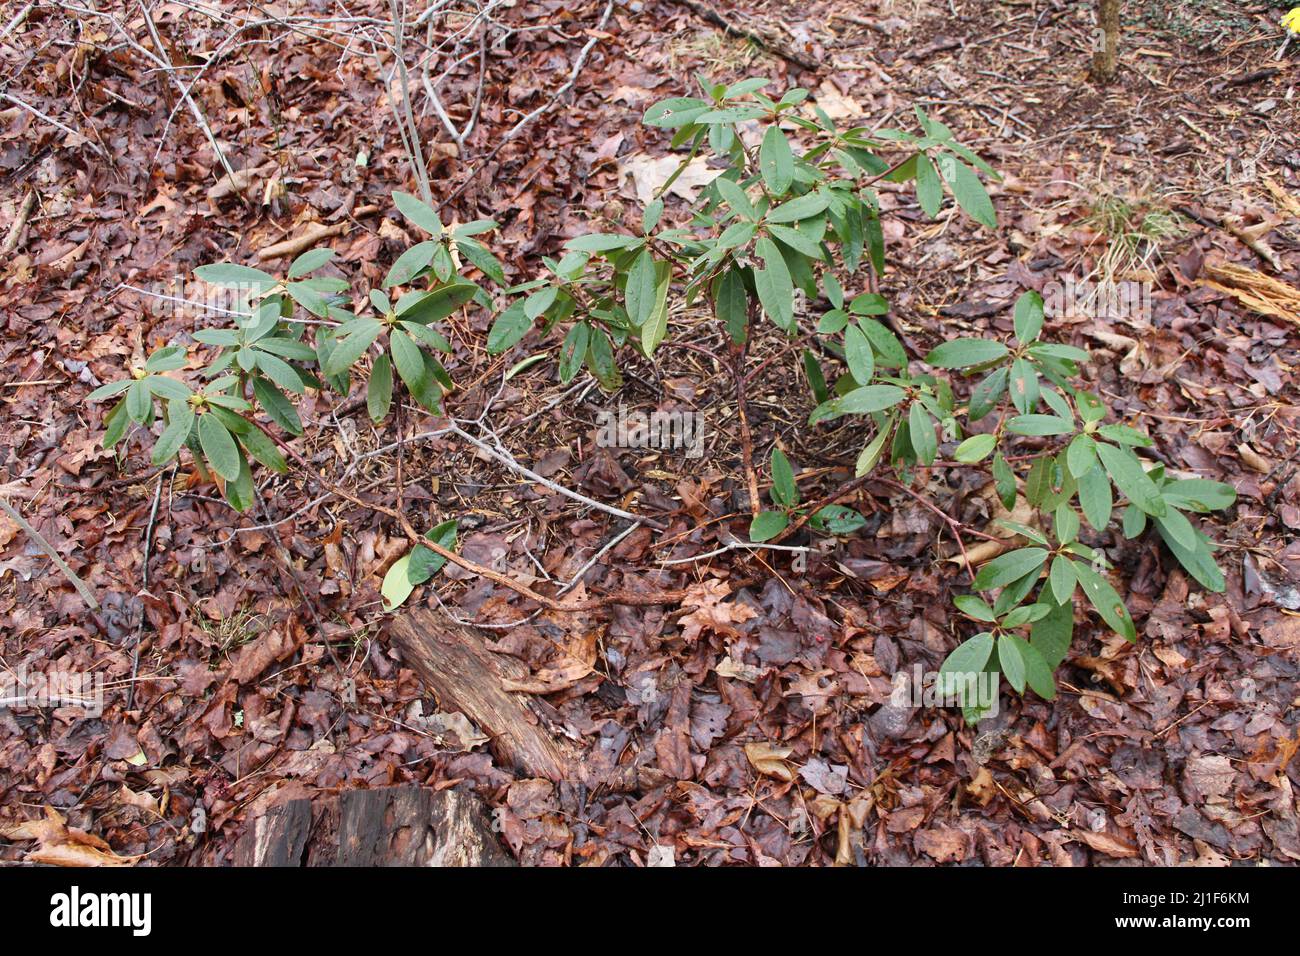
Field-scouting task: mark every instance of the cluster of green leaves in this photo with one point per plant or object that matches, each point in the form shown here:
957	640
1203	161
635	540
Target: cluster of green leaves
792	216
830	519
1073	469
270	357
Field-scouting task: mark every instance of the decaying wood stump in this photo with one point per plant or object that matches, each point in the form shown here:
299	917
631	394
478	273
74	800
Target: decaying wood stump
395	826
455	664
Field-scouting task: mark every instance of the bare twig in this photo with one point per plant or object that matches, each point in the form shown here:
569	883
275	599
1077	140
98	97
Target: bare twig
144	589
16	230
53	122
87	595
515	130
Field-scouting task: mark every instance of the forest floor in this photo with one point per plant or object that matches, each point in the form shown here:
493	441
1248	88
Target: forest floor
752	723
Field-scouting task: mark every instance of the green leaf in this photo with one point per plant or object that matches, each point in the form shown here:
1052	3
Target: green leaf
869	303
738	200
482	259
984	396
1005	481
963	353
418	213
410	263
1123	435
219	447
280	372
969	657
1135	521
774	286
975	607
976	448
1028	317
1095	498
871	453
1199	494
277	406
351	348
776	161
784	490
920	428
379	391
1051	635
1130	477
168	388
1039	425
1032	667
510	326
109	390
767	525
1062	579
804	207
800	241
1023	385
929	190
425	562
1106	600
174	435
227	274
1012	661
409	361
573	351
1177	528
240	491
1010	567
1065	524
600	242
968	191
397	586
889	351
1198	562
309	261
868	399
258	444
858	354
1081	455
731	305
839	520
655	328
642	282
166	359
139	402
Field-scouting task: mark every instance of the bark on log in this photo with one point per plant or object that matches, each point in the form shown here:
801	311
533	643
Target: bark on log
396	826
455	664
413	826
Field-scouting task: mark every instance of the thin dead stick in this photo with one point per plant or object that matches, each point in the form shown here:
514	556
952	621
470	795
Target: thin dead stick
16	230
746	439
53	122
513	465
417	151
87	595
629	598
167	67
515	130
144	589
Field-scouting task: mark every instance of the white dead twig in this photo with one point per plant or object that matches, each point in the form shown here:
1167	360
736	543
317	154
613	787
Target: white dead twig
87	595
53	122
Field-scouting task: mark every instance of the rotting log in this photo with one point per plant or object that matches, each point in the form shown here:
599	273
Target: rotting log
393	826
456	665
